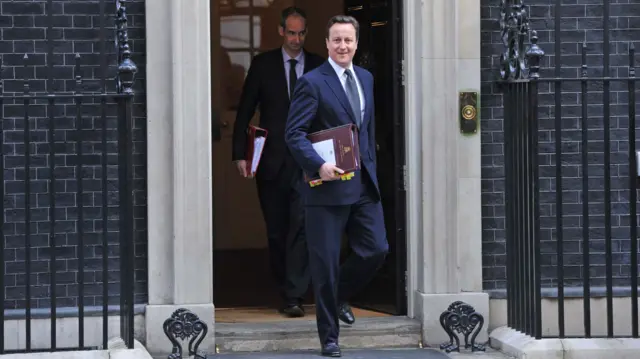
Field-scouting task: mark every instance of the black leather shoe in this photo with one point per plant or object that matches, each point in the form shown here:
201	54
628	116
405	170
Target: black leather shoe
345	314
293	310
331	350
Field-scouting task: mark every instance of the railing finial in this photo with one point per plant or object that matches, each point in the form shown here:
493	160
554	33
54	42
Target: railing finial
127	69
534	56
516	62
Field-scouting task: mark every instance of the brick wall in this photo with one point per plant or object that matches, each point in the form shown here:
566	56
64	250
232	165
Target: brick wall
581	22
23	29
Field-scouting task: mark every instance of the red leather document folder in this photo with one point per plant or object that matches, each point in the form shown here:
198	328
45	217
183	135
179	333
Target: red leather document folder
256	138
338	145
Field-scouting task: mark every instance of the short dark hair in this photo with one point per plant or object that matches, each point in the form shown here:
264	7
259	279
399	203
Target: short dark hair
344	19
290	11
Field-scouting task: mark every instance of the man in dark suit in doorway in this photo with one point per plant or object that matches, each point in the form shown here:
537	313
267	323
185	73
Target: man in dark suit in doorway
270	81
335	94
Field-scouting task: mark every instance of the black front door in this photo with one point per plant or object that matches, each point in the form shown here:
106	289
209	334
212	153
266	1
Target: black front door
380	51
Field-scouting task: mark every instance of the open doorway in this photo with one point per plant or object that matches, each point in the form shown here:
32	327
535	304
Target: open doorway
240	30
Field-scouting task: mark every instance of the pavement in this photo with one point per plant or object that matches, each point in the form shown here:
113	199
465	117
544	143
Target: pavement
412	353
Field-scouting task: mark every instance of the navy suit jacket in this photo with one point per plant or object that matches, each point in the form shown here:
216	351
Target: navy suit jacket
320	102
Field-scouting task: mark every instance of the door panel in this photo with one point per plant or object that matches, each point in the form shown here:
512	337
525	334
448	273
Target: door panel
235	199
399	191
379	49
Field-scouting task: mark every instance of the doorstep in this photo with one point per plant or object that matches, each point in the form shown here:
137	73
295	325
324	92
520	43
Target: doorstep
385	353
288	336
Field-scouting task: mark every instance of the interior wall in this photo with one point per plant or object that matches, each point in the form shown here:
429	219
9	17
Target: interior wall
318	14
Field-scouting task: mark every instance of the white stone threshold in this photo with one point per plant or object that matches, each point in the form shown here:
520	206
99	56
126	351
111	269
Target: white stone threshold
116	350
521	346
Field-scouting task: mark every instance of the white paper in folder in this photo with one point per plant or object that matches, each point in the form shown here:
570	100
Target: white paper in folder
258	145
326	150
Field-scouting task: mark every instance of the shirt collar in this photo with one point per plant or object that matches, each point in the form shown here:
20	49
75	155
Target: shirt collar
339	69
286	56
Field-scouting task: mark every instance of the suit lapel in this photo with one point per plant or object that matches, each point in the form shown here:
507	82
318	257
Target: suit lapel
281	77
331	78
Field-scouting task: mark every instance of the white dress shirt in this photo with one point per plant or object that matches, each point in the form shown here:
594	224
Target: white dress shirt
287	66
340	71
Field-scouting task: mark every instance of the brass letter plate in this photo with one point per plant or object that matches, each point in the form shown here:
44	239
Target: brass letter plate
468	112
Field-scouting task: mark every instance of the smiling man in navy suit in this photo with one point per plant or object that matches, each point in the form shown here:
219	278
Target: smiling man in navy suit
335	94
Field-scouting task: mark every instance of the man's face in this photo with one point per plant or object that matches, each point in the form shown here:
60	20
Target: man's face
342	43
294	33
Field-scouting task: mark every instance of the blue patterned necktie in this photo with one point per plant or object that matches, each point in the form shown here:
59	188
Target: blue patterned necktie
353	96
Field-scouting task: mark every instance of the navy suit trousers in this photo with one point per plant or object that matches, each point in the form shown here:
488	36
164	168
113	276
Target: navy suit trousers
334	284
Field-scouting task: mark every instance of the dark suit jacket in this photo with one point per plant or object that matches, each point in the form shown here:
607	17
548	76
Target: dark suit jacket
266	86
320	103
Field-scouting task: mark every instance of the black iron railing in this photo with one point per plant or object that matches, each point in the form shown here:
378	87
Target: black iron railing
75	135
522	205
581	155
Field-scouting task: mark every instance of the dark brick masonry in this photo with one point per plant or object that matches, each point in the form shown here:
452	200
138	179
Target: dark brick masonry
23	26
23	30
581	22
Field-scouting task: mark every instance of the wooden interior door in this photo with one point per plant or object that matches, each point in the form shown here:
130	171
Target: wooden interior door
238	220
240	30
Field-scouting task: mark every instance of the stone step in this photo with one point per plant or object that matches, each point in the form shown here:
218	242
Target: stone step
386	353
381	332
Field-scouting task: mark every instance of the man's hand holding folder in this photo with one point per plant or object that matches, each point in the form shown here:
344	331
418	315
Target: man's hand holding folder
338	147
256	138
330	172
